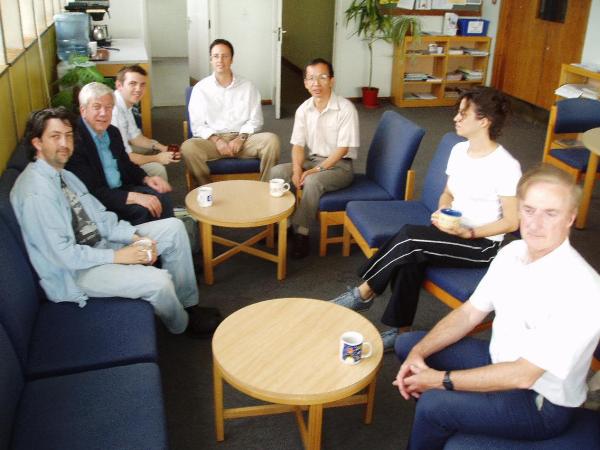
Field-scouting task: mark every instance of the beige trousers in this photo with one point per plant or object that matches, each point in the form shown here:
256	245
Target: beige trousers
196	152
152	169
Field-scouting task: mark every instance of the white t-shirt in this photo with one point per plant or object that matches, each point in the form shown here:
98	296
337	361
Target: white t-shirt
336	126
547	312
478	183
122	118
217	109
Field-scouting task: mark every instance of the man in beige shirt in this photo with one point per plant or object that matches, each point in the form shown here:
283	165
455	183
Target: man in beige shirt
328	126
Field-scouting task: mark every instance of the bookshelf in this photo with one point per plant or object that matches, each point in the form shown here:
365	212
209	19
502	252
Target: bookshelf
414	58
570	74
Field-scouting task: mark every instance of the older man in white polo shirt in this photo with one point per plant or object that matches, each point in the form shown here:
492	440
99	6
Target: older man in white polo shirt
328	125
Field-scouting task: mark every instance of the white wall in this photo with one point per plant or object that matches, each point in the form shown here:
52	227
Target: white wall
198	38
167	26
591	48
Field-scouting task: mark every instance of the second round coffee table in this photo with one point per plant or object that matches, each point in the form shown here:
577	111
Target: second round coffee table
242	204
286	352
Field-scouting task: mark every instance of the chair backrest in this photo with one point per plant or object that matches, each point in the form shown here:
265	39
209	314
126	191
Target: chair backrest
435	180
188	94
19	298
392	151
577	115
11	385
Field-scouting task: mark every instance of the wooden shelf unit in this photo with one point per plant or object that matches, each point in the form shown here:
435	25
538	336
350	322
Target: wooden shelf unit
570	74
437	65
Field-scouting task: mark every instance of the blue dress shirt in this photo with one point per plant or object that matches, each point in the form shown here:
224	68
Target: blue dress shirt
109	163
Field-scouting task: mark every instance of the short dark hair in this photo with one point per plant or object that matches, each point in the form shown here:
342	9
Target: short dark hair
135	68
490	104
316	61
220	42
36	125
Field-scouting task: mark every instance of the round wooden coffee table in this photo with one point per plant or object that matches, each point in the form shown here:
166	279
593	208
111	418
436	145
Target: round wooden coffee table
286	352
242	204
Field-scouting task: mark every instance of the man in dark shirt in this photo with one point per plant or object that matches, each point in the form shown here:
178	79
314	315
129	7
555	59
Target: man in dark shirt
101	162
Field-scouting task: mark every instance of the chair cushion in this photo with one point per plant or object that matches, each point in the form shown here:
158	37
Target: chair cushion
379	221
11	385
435	180
121	407
576	157
68	339
361	189
234	165
392	151
19	158
577	115
7	181
458	282
583	433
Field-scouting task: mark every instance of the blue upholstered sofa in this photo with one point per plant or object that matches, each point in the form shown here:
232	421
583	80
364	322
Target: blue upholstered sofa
71	377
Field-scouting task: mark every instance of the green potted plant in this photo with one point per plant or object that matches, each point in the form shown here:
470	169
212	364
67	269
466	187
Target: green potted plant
81	72
372	24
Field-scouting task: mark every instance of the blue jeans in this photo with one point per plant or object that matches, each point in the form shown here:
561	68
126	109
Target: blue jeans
511	414
169	290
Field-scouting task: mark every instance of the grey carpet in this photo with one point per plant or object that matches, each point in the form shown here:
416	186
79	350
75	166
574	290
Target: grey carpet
186	363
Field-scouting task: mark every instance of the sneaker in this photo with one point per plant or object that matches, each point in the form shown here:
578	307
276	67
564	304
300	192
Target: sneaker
351	299
389	339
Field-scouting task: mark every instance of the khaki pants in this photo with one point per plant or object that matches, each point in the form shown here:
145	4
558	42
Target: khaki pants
196	152
315	185
152	169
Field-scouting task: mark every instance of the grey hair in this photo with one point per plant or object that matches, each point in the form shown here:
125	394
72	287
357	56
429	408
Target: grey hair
92	91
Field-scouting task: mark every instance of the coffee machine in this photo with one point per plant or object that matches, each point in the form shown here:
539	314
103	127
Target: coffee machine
95	9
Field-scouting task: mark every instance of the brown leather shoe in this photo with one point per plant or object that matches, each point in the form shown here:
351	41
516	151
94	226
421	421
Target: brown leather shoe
301	246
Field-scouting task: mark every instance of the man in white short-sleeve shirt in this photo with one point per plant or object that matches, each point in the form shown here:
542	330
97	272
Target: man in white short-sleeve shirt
225	119
147	153
328	125
526	382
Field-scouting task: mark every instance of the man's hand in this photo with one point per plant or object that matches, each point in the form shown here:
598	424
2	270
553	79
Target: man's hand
306	174
135	254
158	184
296	177
150	202
235	145
223	148
165	158
413	364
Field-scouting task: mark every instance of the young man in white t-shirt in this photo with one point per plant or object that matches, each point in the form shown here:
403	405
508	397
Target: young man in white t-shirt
149	154
525	382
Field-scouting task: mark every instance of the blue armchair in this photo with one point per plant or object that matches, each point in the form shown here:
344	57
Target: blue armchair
388	175
220	169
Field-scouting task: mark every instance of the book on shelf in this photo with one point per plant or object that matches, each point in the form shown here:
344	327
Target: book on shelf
474	51
455	51
419	96
568	143
415	76
578	90
471	74
432	79
454	76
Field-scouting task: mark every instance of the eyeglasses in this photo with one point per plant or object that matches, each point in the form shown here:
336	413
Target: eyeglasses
321	79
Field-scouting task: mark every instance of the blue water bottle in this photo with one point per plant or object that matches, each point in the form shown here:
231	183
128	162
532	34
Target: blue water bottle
72	34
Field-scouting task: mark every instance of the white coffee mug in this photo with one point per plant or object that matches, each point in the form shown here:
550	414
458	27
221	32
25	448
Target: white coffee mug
146	244
278	186
351	347
205	196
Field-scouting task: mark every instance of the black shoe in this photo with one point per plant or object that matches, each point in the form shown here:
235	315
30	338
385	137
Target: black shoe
301	246
202	322
208	310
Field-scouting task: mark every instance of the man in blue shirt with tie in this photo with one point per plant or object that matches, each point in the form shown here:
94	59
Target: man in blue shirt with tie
81	250
101	162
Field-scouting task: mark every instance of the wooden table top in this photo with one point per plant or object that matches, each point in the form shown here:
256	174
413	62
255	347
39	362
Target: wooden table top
241	204
591	140
287	351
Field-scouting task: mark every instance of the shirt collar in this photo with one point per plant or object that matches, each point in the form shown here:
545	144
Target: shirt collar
233	83
120	101
46	169
552	258
332	104
97	138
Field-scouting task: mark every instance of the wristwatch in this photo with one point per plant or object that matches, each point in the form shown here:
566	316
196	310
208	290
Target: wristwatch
448	385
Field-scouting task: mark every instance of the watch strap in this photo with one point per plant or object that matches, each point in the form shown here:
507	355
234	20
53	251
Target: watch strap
447	382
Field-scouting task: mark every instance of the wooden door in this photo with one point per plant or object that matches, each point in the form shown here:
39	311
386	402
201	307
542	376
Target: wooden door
529	50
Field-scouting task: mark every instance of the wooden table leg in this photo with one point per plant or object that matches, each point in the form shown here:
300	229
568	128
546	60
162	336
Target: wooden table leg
271	235
370	401
315	424
218	394
282	250
207	251
588	188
